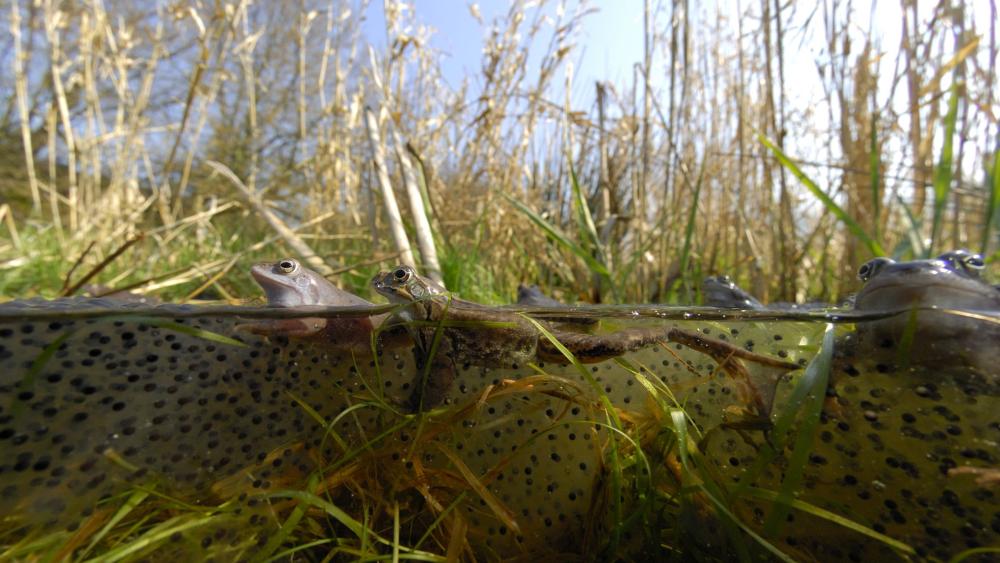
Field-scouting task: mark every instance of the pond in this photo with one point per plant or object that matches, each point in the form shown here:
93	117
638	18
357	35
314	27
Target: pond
136	432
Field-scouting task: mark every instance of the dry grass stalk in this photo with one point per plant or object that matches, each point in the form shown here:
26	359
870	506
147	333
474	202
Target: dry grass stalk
301	248
422	227
388	196
125	106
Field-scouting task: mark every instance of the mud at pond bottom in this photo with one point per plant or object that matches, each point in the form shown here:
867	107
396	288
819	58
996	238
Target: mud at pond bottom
515	460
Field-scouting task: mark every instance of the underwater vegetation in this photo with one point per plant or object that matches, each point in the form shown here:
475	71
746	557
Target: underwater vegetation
150	433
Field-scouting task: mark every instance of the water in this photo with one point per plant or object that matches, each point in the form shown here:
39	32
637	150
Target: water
210	431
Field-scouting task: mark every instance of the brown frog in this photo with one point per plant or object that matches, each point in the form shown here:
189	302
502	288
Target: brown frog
953	312
449	331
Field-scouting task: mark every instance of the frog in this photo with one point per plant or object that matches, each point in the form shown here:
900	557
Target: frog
288	283
953	313
449	331
722	292
533	296
951	280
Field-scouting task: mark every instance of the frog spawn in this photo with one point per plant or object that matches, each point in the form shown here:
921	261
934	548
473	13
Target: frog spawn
122	404
539	451
888	438
546	453
125	403
892	438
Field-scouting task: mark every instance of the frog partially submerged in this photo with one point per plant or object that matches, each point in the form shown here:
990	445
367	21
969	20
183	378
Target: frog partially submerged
533	296
953	311
449	331
475	334
287	283
952	281
722	291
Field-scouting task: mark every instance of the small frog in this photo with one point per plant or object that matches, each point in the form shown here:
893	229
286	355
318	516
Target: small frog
449	331
722	292
533	296
287	283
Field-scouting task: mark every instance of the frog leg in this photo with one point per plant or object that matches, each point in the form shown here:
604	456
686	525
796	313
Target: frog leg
292	328
433	384
593	348
436	371
347	334
757	392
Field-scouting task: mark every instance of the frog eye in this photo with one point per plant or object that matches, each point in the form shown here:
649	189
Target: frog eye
288	265
965	260
974	261
401	274
871	267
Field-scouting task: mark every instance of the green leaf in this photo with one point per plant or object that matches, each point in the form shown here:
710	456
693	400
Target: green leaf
816	376
588	230
614	421
689	231
943	173
688	452
284	555
913	234
194	331
276	540
875	161
993	206
307	498
27	382
558	236
971	552
587	375
838	212
835	518
584	220
155	536
133	500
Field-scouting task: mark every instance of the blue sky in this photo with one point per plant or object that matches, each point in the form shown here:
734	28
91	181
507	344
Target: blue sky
611	37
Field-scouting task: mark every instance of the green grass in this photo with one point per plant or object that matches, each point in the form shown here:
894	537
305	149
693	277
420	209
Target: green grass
379	512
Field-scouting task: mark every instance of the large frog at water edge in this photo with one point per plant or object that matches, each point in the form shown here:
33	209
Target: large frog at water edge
952	317
908	438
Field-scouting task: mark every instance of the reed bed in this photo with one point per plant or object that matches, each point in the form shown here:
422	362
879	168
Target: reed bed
219	138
